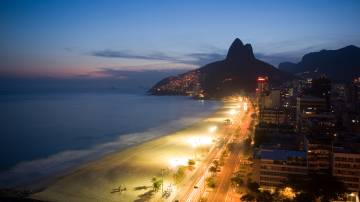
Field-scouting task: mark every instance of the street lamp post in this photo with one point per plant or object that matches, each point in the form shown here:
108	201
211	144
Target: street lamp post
162	181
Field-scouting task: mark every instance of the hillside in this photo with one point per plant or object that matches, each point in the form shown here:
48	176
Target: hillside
339	65
236	73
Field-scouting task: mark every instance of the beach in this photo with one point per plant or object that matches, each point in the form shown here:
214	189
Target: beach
131	170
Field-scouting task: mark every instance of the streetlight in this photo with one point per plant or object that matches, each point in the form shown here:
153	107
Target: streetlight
288	192
175	162
195	142
245	106
162	181
212	129
232	112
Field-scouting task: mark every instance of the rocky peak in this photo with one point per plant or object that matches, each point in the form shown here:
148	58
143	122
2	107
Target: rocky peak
239	52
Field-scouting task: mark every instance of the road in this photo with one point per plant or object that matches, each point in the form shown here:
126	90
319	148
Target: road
198	178
221	192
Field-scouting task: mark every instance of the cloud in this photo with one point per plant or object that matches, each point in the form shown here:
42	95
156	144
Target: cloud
205	58
192	58
106	79
129	55
202	58
144	75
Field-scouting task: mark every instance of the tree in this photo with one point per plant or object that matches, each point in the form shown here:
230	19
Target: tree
316	185
211	182
216	163
303	197
213	170
202	199
247	198
156	183
180	174
237	180
253	186
191	162
264	196
231	146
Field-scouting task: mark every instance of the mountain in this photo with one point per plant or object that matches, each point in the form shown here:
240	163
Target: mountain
339	65
236	73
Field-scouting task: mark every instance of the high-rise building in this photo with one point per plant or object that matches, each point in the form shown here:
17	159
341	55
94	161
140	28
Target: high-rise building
262	91
346	167
262	84
308	105
273	116
319	149
273	99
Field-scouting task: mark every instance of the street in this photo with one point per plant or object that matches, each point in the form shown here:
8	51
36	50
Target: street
235	134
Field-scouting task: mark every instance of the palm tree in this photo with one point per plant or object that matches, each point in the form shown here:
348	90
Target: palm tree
156	183
213	170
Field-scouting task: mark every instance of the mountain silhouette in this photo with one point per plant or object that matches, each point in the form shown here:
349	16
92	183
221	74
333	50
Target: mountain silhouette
236	73
339	65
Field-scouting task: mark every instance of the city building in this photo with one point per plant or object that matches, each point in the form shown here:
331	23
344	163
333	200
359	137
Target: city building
262	84
319	148
308	105
317	123
346	166
272	99
262	91
274	162
273	116
269	129
353	96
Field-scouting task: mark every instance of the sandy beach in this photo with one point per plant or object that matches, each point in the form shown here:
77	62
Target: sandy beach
134	167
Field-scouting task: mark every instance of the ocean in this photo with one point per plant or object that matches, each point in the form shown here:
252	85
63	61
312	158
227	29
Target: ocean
44	134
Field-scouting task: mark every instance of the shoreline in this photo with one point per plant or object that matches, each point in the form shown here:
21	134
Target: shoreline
130	167
41	184
24	174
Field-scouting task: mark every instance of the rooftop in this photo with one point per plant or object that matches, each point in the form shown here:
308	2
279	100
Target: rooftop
281	155
291	142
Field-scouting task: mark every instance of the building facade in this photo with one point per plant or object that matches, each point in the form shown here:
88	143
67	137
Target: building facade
346	167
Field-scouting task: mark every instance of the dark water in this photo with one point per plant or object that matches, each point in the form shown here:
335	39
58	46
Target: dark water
45	133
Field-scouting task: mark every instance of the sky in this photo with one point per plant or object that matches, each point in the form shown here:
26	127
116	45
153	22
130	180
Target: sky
81	38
